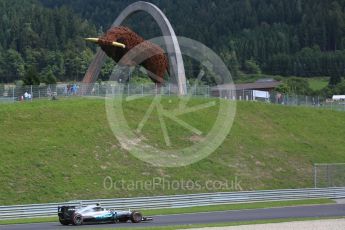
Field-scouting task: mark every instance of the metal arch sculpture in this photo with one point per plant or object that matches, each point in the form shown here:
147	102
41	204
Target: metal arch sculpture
173	48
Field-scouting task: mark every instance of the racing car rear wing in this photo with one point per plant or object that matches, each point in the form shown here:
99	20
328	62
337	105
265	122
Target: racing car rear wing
66	211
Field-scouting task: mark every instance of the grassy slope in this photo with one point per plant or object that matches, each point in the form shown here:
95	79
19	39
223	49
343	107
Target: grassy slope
62	150
318	83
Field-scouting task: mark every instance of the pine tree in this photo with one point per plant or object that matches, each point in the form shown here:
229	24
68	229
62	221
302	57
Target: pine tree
335	78
31	77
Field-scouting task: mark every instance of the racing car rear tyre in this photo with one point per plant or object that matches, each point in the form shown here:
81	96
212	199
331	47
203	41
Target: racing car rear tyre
63	222
136	217
77	219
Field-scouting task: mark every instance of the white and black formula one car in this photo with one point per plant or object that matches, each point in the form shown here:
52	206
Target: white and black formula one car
96	214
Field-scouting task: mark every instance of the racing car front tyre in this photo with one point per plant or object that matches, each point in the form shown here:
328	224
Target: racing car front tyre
136	217
63	222
77	219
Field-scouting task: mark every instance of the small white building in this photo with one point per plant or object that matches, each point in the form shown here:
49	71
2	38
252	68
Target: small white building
338	98
263	95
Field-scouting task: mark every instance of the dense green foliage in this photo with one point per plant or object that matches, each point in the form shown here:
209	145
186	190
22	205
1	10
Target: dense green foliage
286	37
47	40
63	149
280	37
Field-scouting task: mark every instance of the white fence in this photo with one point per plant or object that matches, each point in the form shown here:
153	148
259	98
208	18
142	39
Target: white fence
175	201
13	94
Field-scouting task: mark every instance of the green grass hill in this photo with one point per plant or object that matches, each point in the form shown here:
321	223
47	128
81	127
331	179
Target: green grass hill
63	150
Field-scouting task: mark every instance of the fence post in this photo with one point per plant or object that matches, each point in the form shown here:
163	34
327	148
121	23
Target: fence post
13	94
142	89
328	178
31	93
315	176
287	100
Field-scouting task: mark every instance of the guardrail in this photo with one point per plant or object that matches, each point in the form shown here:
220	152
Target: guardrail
175	201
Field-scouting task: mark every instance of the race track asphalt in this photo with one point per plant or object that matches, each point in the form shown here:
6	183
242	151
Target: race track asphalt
333	210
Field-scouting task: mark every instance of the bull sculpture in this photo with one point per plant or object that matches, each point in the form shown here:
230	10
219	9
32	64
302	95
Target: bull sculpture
118	41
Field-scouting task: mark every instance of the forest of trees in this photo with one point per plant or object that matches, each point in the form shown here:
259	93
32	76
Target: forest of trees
303	38
44	41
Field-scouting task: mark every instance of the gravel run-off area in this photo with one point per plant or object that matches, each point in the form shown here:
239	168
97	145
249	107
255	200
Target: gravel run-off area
331	224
